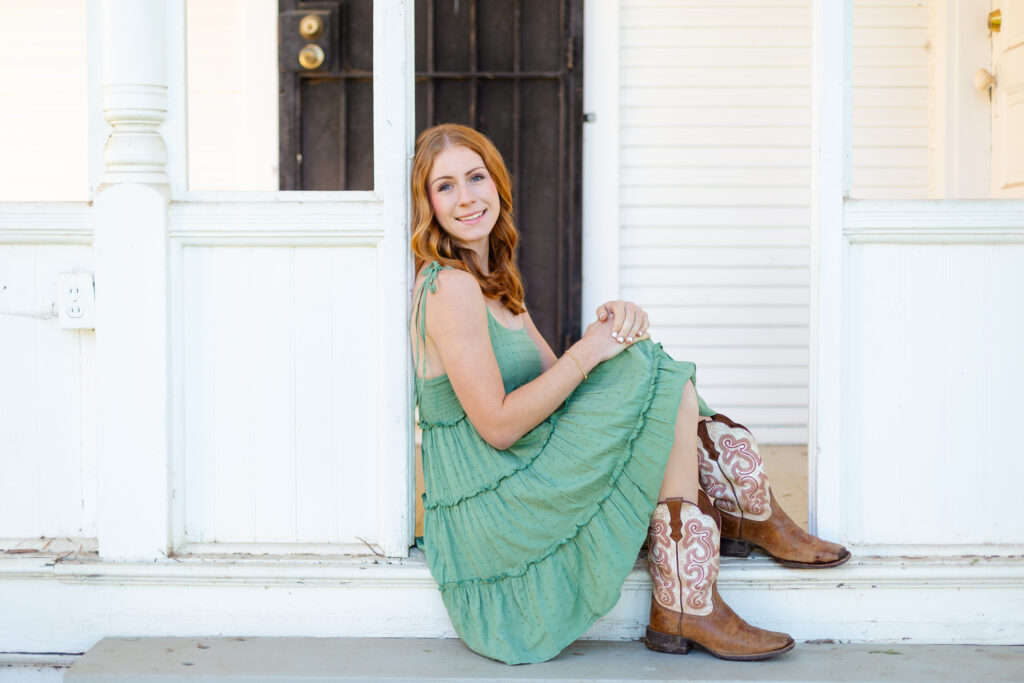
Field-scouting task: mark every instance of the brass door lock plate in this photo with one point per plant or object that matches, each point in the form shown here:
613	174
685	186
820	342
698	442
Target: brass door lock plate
308	41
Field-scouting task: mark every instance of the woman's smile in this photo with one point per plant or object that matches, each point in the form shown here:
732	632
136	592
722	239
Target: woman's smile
473	218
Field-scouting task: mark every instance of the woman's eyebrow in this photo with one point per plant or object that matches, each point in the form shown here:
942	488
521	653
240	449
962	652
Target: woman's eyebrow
448	177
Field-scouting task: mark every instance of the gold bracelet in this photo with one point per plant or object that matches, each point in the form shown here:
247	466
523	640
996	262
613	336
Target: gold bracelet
573	356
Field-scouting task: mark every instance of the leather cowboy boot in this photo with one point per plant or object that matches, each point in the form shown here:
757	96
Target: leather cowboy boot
686	608
732	474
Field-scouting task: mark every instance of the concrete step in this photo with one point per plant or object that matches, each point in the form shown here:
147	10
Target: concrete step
266	660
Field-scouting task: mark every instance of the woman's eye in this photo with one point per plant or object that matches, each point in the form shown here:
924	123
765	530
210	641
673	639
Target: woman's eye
444	187
478	177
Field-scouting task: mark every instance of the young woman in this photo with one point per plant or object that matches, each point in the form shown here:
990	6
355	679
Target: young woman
544	474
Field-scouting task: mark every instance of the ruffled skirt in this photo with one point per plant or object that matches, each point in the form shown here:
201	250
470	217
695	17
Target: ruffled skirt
531	545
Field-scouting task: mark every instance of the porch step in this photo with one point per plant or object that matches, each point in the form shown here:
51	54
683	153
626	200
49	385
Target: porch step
265	660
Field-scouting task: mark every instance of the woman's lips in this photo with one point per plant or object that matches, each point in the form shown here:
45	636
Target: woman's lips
472	218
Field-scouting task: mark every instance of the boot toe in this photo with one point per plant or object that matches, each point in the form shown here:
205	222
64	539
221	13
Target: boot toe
756	644
772	641
832	552
783	642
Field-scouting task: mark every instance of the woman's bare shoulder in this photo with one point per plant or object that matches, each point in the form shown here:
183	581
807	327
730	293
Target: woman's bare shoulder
457	286
457	293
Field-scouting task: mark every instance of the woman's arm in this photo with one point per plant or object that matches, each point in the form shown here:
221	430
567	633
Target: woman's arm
457	326
633	328
547	356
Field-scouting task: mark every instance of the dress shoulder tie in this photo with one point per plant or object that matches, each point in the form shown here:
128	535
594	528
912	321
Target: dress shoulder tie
430	274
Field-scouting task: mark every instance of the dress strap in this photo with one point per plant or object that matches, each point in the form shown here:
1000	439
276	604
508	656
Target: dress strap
420	316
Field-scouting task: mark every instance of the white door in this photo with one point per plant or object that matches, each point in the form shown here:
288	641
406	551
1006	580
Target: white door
1008	101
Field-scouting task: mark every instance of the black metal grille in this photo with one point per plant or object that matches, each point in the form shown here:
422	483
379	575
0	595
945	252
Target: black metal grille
509	68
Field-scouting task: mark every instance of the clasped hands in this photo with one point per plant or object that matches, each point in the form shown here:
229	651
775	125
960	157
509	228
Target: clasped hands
630	322
619	324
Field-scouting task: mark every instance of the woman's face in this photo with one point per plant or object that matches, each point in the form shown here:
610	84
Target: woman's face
464	197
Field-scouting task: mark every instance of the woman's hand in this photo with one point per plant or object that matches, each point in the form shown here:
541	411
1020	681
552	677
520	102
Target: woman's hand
618	325
597	344
630	321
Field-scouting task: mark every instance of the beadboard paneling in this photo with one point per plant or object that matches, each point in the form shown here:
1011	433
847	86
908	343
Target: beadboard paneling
934	377
280	394
47	398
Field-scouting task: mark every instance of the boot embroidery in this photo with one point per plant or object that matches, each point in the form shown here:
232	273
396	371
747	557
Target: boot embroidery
700	564
660	562
738	483
714	483
683	571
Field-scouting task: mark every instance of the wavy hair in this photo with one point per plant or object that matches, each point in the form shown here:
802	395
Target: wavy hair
429	240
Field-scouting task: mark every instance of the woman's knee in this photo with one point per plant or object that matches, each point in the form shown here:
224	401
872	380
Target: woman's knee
688	404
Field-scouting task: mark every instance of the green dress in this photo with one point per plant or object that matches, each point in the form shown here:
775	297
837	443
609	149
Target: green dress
530	545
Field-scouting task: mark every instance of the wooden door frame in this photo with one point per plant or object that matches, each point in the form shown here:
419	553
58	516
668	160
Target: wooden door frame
571	242
600	186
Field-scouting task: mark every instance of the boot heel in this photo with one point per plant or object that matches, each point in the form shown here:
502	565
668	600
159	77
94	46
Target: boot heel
665	642
732	547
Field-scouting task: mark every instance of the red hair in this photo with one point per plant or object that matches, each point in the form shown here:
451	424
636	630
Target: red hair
431	243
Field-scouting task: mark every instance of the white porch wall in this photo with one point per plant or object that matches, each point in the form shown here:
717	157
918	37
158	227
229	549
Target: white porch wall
278	383
715	180
47	401
932	392
47	385
714	197
933	375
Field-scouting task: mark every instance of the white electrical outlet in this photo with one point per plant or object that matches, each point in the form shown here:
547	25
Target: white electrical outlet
76	301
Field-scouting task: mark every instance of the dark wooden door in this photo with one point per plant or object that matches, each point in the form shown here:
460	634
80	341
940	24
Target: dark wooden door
326	111
509	68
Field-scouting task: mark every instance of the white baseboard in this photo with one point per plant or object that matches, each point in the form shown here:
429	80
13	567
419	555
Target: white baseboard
65	607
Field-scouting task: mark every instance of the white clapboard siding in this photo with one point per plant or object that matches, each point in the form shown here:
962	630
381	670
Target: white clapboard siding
935	381
715	180
714	193
891	90
280	394
43	101
47	395
232	95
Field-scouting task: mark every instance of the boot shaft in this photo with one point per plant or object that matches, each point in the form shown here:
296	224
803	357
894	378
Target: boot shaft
683	557
731	469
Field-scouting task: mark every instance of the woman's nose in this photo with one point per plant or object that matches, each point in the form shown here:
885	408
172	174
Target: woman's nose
465	197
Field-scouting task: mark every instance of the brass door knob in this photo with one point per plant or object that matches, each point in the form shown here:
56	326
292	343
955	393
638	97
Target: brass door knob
311	56
995	21
311	27
983	79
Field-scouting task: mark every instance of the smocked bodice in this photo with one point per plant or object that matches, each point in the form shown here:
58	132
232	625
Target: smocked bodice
517	356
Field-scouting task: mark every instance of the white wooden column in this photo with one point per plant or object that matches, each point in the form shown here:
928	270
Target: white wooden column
832	110
131	208
393	131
